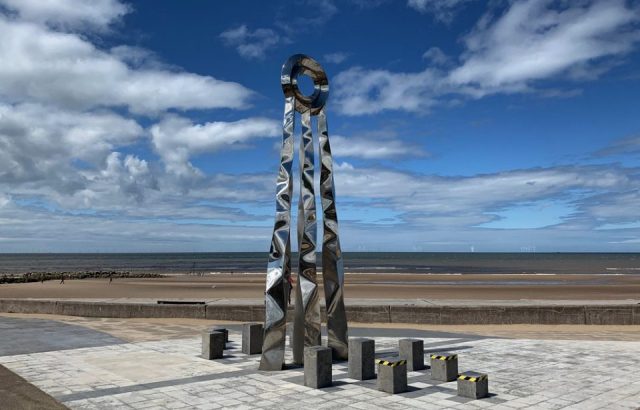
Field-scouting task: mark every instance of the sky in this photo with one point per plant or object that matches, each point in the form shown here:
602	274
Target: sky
456	125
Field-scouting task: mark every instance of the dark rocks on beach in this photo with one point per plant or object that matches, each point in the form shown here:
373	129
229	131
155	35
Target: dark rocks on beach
42	276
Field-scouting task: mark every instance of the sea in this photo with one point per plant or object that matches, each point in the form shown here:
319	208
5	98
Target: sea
354	262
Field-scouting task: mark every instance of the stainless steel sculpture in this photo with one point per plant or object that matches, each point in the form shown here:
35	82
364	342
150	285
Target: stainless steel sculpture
306	330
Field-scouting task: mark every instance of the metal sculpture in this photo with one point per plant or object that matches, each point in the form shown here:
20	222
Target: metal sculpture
306	330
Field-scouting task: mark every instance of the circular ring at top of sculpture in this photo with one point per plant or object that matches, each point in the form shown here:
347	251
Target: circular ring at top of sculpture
300	64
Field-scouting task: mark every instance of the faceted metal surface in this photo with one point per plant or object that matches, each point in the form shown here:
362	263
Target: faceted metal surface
332	265
279	266
306	330
307	320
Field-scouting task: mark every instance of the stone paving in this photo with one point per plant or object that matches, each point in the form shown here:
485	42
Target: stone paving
41	335
170	374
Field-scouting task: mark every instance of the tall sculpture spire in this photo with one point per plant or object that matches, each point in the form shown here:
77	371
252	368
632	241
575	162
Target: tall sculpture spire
306	330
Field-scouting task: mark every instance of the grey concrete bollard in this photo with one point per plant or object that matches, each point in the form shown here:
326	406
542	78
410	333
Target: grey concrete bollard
362	354
412	350
444	367
222	330
392	375
252	338
317	367
473	385
212	345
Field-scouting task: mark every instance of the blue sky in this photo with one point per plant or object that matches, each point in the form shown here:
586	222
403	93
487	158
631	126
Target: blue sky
154	125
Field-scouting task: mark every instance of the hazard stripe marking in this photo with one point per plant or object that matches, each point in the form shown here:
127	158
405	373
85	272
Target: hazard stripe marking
473	379
450	357
391	363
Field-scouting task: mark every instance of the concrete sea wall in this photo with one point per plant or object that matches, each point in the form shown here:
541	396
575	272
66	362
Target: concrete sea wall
609	314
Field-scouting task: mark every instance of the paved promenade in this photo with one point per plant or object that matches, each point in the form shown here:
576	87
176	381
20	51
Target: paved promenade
110	372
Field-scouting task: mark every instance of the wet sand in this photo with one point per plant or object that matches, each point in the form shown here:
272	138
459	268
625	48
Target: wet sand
357	286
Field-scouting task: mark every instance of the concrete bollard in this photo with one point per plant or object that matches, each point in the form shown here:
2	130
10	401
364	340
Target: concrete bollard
444	367
222	330
362	354
392	375
212	345
317	367
473	385
252	338
412	350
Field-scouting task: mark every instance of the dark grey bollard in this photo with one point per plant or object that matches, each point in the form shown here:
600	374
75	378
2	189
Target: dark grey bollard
222	330
317	367
444	367
212	345
362	354
392	375
252	338
473	385
412	350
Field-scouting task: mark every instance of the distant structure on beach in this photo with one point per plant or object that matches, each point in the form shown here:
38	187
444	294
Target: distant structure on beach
527	249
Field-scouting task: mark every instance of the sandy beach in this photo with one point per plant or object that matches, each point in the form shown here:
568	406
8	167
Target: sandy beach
357	286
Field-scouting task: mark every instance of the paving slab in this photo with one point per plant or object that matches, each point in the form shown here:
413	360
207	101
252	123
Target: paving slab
41	335
18	394
171	374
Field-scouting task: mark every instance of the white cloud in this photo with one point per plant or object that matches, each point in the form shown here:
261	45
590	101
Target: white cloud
67	160
4	200
119	180
442	10
512	53
65	142
250	44
623	146
72	161
65	70
368	148
38	143
75	14
614	208
470	201
138	57
436	56
176	138
449	207
336	58
359	91
40	230
533	41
